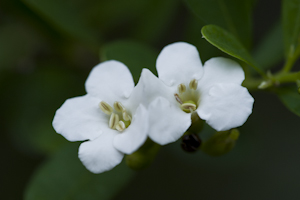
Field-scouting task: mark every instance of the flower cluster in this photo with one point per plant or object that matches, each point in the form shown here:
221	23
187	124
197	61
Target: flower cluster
115	117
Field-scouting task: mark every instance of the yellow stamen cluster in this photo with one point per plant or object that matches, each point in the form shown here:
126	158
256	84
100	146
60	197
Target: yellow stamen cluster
116	121
187	97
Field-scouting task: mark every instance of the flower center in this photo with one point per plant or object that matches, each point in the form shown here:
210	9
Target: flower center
119	119
188	98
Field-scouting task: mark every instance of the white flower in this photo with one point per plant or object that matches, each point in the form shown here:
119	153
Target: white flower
108	122
212	91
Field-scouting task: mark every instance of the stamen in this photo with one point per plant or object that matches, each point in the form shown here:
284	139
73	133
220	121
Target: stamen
118	106
105	107
120	126
178	98
188	107
126	116
181	88
193	84
113	121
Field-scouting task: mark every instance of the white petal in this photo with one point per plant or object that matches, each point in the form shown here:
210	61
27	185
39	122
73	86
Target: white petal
99	155
179	63
221	70
80	118
148	88
167	121
225	106
110	81
135	135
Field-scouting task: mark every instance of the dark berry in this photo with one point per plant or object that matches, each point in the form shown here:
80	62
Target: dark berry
190	143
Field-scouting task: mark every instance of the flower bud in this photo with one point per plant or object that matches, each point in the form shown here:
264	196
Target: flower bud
144	156
190	143
220	143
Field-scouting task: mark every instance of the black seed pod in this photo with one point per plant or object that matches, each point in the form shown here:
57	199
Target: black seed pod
190	143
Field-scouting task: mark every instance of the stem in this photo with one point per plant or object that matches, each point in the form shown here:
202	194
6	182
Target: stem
251	83
285	77
291	60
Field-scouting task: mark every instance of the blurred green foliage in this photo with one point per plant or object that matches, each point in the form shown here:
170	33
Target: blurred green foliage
47	49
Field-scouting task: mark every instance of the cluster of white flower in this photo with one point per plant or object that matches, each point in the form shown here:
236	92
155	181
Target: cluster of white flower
115	117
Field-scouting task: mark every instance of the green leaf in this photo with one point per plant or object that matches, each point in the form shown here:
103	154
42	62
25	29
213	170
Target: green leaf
270	50
291	25
134	55
232	15
290	98
63	177
227	42
65	16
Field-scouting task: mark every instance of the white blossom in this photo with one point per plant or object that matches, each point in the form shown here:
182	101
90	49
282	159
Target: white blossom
105	119
185	87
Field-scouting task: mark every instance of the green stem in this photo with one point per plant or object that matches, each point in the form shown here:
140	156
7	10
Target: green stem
291	60
286	77
251	83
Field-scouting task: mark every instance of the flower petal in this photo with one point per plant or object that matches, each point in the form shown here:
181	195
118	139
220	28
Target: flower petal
179	63
99	155
225	106
80	118
167	121
110	81
220	70
135	135
148	88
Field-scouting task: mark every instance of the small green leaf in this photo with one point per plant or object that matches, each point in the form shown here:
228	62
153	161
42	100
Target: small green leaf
270	50
291	25
232	15
134	55
228	43
63	177
290	98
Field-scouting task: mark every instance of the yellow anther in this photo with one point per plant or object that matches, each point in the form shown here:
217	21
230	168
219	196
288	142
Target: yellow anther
120	126
188	107
118	106
105	107
113	121
178	99
126	116
193	84
181	88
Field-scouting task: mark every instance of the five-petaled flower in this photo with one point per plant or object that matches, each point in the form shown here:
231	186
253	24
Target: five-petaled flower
106	119
185	87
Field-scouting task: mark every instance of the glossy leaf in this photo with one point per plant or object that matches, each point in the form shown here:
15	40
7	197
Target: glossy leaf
134	55
228	43
232	15
64	177
291	25
290	98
